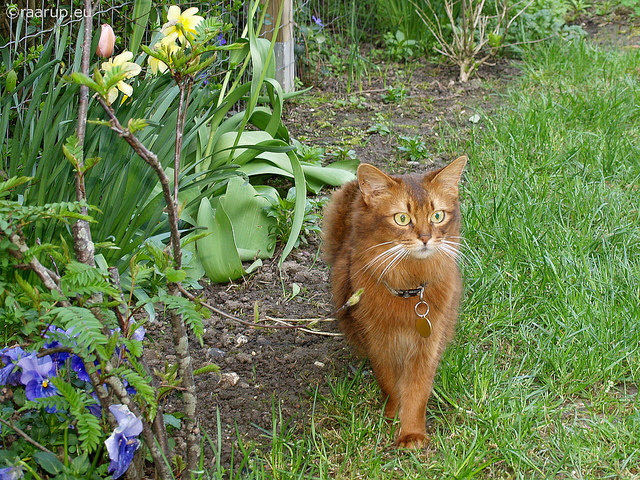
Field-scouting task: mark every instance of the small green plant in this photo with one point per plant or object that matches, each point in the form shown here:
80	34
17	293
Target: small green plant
309	153
412	148
576	8
282	209
342	154
631	6
395	94
353	101
605	8
309	49
382	126
399	47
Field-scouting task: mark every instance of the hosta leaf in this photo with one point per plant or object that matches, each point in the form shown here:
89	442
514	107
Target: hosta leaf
218	252
246	209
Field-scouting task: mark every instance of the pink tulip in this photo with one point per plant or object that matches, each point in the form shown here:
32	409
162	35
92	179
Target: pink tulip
106	42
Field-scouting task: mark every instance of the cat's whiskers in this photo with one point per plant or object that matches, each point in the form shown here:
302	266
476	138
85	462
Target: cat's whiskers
459	247
448	251
379	245
391	255
452	250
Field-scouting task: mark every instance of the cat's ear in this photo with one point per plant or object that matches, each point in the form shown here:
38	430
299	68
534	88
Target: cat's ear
449	176
373	182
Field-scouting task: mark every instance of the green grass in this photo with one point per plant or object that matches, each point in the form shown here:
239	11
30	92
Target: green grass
542	379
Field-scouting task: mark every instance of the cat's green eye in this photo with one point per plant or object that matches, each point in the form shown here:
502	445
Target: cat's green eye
437	217
402	219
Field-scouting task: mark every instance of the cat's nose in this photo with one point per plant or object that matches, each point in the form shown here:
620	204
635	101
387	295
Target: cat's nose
424	238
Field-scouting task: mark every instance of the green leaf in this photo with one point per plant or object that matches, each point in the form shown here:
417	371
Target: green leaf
171	421
141	11
12	80
301	201
83	79
218	252
136	124
49	462
246	210
207	369
175	276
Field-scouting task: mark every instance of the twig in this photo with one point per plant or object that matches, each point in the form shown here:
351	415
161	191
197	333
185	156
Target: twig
40	270
306	330
283	322
152	160
26	436
82	242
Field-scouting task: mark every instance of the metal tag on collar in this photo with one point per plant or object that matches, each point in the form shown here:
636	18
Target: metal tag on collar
423	325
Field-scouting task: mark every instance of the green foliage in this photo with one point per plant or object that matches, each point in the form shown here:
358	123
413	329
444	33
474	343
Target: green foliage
399	47
544	19
382	126
400	16
309	50
281	209
396	94
630	6
344	154
88	425
412	148
309	153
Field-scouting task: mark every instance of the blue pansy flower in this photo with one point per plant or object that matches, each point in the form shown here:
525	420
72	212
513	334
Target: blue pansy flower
60	357
140	332
9	357
123	442
35	377
11	473
317	20
77	365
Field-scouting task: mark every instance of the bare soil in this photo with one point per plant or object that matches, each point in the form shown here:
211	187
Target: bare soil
265	368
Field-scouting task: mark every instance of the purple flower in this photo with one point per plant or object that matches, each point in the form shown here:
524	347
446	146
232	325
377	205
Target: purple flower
35	377
77	365
123	442
95	409
9	357
221	40
34	368
11	473
317	20
140	332
61	357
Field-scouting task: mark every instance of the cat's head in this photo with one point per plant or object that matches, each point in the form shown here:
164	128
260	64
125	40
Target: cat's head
413	216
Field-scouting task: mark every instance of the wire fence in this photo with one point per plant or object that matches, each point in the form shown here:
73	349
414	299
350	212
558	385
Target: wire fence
25	24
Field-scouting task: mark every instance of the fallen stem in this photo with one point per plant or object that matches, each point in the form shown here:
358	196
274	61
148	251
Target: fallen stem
283	322
25	436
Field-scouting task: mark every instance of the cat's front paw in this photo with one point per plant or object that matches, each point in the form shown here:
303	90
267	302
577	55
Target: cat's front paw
412	440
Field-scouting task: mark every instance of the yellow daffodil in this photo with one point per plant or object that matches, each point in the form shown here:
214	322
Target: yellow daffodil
129	68
168	47
180	23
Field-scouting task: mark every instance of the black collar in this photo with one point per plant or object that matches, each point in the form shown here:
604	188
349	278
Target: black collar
413	292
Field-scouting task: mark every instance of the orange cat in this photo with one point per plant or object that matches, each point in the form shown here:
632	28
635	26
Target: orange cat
397	237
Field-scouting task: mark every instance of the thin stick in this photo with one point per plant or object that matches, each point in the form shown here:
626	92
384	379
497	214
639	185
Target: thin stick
26	436
283	322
